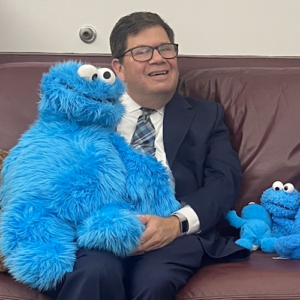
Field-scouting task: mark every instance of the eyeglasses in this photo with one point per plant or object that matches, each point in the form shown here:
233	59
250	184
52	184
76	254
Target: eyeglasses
145	53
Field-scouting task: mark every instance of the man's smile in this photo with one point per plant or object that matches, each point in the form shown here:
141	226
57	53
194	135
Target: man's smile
157	73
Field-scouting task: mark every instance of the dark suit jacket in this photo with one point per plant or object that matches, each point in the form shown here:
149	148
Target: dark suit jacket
206	170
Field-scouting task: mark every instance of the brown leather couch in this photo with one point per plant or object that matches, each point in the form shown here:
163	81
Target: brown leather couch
261	98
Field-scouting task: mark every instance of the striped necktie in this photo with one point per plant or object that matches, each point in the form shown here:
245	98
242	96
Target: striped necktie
144	135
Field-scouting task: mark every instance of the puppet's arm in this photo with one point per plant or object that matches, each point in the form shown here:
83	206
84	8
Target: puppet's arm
283	226
234	220
288	246
148	182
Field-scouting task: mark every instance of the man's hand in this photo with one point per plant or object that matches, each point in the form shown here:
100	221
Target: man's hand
159	232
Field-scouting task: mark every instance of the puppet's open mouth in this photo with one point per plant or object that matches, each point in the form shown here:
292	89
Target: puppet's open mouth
281	206
91	98
98	100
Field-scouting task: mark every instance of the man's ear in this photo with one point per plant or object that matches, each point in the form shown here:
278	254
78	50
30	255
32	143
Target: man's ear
118	68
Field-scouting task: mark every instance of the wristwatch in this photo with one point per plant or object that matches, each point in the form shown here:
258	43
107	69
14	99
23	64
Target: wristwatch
184	224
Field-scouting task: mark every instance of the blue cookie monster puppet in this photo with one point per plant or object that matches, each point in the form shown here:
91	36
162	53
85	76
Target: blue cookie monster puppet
72	181
255	225
282	202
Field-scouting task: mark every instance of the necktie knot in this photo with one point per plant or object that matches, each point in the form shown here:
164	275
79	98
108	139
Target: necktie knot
146	112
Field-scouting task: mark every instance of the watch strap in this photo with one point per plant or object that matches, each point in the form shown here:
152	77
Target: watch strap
184	224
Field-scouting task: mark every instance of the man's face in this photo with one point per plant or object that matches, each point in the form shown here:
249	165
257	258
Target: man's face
157	77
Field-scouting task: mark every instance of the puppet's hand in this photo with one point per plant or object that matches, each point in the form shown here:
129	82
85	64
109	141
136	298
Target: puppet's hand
114	228
234	220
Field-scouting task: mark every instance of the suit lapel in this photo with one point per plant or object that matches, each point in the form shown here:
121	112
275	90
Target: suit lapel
177	119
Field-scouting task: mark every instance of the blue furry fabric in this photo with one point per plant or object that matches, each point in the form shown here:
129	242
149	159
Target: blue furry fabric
283	203
255	224
72	181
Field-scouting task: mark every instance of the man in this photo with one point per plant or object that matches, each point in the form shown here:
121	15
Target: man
190	139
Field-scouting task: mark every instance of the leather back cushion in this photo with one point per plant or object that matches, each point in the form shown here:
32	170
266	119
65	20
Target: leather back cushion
262	112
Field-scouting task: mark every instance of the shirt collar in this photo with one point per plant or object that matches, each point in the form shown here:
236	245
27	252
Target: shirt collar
132	106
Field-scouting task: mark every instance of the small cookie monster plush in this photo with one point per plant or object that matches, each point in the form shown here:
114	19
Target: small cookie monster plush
282	201
255	224
285	205
72	181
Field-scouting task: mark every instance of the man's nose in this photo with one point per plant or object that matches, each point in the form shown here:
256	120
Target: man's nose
157	56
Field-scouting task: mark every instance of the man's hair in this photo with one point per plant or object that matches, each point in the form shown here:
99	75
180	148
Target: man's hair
132	25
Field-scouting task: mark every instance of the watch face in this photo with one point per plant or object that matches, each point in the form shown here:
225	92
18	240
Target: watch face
185	227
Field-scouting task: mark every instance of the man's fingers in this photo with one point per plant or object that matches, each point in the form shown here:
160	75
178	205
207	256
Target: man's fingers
143	218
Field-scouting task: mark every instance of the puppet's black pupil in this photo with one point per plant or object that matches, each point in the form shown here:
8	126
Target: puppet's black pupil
94	77
106	75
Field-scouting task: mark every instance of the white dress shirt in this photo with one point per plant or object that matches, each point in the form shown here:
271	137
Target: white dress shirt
127	127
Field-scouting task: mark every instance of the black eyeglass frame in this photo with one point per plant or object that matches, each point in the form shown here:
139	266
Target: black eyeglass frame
153	48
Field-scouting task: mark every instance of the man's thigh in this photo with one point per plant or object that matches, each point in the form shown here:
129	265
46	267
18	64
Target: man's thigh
160	273
96	275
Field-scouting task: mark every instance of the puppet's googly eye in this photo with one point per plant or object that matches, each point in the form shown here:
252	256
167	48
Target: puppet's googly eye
107	75
277	186
88	72
288	188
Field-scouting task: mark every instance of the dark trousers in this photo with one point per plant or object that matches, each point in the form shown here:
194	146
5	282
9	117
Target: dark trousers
155	275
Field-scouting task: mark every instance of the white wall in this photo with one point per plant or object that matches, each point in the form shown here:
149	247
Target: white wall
202	27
